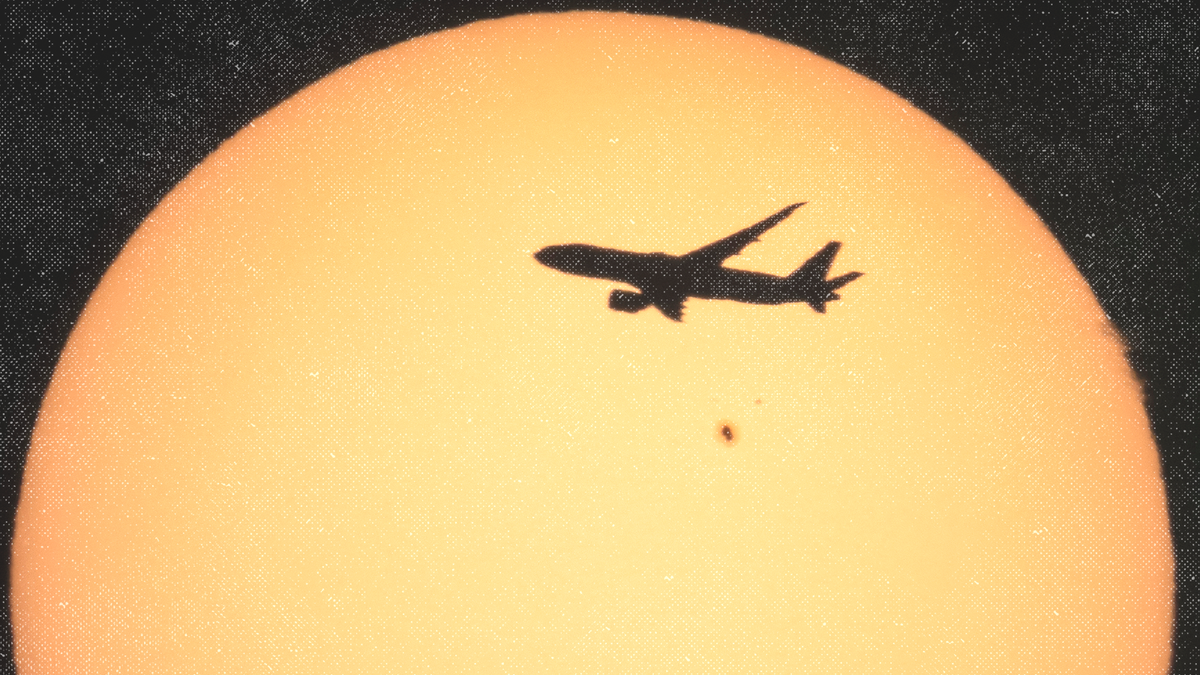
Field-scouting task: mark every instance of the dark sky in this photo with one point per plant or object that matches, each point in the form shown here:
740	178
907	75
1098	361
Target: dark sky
1089	110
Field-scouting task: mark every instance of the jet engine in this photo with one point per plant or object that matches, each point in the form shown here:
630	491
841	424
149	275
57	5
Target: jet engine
628	301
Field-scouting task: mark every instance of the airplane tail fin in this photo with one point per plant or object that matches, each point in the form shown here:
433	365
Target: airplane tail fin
809	279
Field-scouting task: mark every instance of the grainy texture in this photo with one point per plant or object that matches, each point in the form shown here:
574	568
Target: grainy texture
1091	114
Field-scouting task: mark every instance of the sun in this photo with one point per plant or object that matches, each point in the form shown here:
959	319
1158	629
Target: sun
329	411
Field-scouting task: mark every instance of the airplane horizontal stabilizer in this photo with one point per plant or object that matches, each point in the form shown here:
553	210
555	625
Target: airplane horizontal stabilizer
810	279
838	282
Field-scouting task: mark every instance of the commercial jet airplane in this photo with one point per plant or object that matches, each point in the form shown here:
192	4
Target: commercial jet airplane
667	281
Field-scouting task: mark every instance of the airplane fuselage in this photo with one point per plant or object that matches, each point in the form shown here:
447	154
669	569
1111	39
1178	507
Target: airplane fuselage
667	281
661	274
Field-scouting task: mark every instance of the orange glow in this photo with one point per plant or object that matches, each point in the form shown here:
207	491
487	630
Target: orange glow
327	414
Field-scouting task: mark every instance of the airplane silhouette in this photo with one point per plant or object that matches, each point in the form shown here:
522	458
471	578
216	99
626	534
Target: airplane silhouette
667	281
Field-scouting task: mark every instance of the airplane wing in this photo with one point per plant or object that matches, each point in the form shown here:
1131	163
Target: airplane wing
672	308
717	252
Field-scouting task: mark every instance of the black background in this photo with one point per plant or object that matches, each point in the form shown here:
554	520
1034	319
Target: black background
1090	112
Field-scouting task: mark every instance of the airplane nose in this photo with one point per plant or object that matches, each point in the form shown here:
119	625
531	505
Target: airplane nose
569	258
552	256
